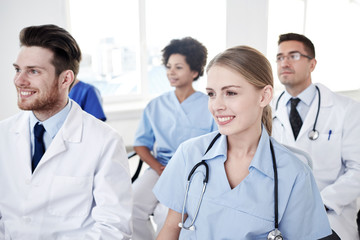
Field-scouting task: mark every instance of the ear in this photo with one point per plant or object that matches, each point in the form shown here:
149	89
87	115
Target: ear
66	78
313	64
194	74
266	95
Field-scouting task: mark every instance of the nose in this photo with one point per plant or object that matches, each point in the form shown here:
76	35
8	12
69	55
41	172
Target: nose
21	80
285	62
170	71
217	103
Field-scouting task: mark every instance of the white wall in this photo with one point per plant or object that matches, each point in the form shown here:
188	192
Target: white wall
247	23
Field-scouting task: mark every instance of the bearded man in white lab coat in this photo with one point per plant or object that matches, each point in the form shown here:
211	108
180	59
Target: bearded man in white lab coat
79	187
331	138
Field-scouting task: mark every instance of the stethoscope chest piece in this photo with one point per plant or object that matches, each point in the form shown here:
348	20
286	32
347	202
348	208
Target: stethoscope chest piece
313	134
275	235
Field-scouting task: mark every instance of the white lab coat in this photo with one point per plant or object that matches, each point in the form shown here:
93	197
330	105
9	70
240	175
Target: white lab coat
81	188
336	160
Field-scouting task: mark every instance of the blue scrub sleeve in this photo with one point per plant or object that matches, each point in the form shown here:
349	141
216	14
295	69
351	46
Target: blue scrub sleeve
303	219
93	105
170	188
144	135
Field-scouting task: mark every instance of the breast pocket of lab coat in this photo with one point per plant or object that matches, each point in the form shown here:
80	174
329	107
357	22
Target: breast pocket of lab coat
70	196
326	150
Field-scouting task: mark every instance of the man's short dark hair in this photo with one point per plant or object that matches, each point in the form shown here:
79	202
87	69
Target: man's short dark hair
67	54
308	45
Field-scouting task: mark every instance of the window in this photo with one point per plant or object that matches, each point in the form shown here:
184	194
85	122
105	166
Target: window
108	34
333	30
122	43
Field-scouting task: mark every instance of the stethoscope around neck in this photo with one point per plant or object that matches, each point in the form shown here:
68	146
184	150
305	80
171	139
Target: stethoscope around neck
313	134
273	235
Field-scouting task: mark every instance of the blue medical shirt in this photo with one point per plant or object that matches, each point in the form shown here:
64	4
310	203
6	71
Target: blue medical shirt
169	123
89	99
246	211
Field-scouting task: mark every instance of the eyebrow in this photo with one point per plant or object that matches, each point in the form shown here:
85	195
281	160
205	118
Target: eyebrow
28	67
288	53
226	87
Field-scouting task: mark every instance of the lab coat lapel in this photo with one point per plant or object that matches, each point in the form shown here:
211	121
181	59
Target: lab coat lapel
281	115
21	132
71	131
325	101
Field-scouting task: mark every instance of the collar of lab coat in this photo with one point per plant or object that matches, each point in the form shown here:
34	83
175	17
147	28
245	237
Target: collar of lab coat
282	115
325	94
71	131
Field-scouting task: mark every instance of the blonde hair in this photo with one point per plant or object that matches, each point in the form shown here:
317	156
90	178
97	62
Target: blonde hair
254	67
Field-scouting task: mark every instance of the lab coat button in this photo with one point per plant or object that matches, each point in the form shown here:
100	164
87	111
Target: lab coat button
27	219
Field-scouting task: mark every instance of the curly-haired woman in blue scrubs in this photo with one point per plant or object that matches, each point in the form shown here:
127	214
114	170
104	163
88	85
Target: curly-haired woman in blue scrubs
167	121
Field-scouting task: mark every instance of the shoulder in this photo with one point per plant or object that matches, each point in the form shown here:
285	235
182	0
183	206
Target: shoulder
90	123
162	98
14	120
336	98
193	150
288	162
198	144
159	101
201	97
84	85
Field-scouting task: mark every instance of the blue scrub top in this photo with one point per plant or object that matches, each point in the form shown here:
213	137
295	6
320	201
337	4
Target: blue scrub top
246	211
89	99
168	122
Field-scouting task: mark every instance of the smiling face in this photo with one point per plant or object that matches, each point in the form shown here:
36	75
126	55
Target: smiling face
38	87
178	71
235	104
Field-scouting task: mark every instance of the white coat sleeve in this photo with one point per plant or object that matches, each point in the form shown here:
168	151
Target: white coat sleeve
2	230
346	189
112	194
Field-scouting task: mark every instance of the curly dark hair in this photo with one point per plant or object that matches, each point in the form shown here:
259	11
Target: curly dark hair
308	45
195	53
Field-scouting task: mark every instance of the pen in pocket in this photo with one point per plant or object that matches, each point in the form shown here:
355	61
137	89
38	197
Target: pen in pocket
329	134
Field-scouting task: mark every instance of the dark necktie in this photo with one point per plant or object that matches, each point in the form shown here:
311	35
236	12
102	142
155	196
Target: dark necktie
295	119
39	144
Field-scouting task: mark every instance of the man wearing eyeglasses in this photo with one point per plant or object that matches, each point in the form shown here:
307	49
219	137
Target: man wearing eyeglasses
324	124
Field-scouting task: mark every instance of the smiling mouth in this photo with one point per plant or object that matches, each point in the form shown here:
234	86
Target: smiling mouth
224	120
26	93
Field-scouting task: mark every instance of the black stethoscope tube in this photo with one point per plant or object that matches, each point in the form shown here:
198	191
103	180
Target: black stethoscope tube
275	234
318	110
275	187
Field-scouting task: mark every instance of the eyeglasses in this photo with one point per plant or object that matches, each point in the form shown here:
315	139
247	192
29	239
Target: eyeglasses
292	57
